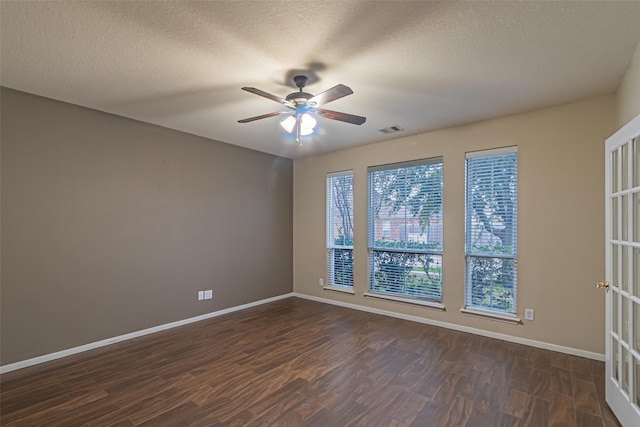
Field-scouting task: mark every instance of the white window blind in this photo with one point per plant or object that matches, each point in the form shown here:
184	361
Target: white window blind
491	231
340	229
405	229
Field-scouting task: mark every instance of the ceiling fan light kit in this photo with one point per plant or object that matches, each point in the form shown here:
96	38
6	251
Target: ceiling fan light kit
288	123
302	106
305	123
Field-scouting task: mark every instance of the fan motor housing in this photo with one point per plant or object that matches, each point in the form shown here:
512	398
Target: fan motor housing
299	97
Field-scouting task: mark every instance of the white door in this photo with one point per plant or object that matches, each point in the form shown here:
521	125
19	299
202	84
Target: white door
622	213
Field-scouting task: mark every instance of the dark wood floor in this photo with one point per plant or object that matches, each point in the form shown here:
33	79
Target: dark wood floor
301	363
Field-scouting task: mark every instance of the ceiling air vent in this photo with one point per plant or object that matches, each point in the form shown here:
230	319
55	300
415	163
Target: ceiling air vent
391	129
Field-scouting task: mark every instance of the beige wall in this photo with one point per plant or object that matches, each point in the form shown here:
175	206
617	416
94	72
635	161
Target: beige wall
628	97
111	226
561	216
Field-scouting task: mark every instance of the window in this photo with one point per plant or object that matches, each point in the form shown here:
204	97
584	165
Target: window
405	230
491	231
340	229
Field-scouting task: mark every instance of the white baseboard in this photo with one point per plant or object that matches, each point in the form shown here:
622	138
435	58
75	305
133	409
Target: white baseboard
504	337
75	350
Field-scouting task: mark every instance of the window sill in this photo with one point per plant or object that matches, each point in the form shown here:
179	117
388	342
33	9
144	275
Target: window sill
428	304
505	318
339	289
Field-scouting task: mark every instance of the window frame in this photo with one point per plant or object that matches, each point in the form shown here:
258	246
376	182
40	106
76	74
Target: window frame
373	247
331	244
509	316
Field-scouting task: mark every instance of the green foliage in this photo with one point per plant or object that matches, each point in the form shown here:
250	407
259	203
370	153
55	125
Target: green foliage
343	240
407	273
343	267
494	249
399	244
492	283
416	188
343	261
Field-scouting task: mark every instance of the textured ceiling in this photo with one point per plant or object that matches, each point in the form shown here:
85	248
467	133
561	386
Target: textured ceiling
420	65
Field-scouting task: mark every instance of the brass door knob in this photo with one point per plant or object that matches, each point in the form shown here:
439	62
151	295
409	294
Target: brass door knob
602	285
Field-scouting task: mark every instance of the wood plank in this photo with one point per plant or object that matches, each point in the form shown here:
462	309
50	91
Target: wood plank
538	414
561	411
560	381
585	397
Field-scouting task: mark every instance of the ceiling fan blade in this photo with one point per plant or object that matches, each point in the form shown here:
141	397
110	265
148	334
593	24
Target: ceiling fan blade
269	96
264	116
343	117
329	95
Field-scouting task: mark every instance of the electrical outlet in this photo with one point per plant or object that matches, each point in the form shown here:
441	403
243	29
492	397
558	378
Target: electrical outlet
208	294
528	314
200	295
321	282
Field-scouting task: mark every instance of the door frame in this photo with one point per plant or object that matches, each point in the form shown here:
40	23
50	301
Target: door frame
627	413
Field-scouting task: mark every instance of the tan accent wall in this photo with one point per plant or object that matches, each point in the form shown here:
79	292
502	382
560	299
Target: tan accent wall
561	218
111	226
628	96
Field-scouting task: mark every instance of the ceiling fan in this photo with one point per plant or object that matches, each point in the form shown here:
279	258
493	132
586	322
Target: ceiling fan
302	106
